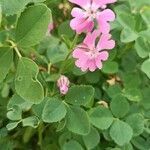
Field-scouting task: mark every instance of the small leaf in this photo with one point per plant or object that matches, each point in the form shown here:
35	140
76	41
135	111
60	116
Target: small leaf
133	94
72	145
32	121
136	121
32	25
121	132
77	120
53	111
101	117
119	106
12	125
17	100
146	67
92	139
26	84
142	47
6	59
15	113
80	95
110	67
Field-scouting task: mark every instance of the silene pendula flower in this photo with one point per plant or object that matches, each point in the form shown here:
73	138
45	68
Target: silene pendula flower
91	11
63	84
92	52
50	28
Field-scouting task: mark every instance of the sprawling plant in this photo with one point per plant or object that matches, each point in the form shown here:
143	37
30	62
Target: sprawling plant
75	74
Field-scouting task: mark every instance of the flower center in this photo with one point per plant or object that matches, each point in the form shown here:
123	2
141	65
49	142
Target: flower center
92	54
91	13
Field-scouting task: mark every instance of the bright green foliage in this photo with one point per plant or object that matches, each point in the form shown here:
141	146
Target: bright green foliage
119	106
121	132
6	59
80	95
136	121
54	111
26	83
14	113
56	51
101	118
77	120
108	109
32	121
73	145
32	25
146	67
92	139
110	67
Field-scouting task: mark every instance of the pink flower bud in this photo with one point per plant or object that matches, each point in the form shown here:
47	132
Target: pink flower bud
63	84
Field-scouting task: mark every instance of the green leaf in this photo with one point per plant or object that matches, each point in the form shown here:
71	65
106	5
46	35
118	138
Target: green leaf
17	100
146	67
32	121
146	15
77	120
126	20
92	139
121	132
136	121
142	47
26	83
80	95
57	51
65	30
15	113
0	15
101	117
12	125
72	145
32	25
11	7
133	94
6	59
110	67
119	106
127	35
53	111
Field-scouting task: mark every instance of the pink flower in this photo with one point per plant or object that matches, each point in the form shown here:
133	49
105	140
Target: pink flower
50	28
91	11
63	84
92	51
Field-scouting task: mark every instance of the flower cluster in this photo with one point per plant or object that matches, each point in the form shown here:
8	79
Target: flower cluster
93	18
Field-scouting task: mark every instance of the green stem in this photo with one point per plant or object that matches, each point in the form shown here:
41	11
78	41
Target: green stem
40	136
70	51
14	46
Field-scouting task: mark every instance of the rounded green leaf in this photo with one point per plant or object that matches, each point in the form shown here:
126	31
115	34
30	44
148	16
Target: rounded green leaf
26	84
32	121
53	111
14	113
77	120
110	67
80	95
12	125
32	25
101	117
17	100
72	145
92	139
121	132
142	47
6	59
136	121
146	67
119	106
